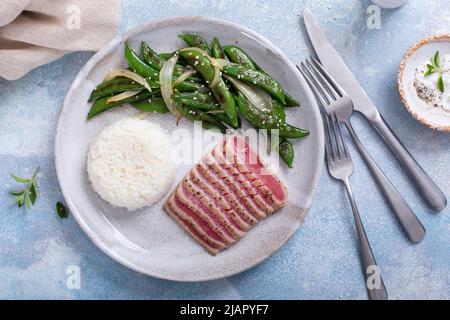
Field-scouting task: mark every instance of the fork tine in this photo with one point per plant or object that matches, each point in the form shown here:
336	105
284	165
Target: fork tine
323	79
318	84
331	152
340	142
346	153
340	90
311	85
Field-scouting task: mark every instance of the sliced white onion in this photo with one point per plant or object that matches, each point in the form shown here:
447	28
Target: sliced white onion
216	79
184	76
220	63
128	74
165	80
123	95
257	97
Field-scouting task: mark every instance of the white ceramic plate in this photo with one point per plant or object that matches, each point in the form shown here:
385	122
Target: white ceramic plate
148	240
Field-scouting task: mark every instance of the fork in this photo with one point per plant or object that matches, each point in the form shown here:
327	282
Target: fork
335	100
340	167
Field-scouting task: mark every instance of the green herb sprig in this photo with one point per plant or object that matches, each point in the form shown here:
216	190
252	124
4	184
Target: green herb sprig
434	67
28	195
61	211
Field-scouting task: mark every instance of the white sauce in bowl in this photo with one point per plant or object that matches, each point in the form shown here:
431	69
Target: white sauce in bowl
427	86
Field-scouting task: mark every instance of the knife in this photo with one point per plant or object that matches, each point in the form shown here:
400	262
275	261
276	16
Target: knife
334	64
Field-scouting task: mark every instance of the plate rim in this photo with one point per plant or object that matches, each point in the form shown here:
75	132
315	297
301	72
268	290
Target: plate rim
84	71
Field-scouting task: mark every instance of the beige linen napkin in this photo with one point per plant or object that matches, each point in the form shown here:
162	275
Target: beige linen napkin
35	32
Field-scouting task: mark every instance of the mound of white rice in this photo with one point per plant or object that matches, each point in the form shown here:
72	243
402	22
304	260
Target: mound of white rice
129	163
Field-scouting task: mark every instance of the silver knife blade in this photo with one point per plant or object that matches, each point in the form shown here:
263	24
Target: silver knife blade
336	66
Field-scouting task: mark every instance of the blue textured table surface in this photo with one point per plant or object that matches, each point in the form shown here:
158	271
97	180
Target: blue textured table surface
321	260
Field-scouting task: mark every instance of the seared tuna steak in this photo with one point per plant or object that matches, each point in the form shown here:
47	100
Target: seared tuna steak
224	195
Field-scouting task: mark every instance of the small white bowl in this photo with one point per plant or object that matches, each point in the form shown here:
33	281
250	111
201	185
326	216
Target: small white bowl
414	57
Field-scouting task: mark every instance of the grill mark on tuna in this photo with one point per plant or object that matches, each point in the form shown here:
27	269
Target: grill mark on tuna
270	181
243	195
193	204
190	229
265	199
248	183
229	194
206	205
211	203
189	222
202	228
214	191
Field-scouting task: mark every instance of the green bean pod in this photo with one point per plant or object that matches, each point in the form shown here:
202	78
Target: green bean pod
143	69
196	100
238	55
151	57
155	105
221	92
137	65
115	86
167	55
101	105
267	120
208	121
156	61
194	40
286	152
257	78
217	50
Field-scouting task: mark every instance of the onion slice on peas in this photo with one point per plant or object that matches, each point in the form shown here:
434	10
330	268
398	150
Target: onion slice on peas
257	97
165	80
184	76
128	74
218	64
122	96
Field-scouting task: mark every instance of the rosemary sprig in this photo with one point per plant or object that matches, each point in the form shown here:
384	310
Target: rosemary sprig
434	67
28	195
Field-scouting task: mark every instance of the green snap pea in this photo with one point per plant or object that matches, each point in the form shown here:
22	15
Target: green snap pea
194	40
101	105
167	55
238	55
114	86
137	65
220	90
155	105
140	67
256	78
286	152
222	117
208	121
267	120
157	62
217	50
197	100
151	57
278	111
